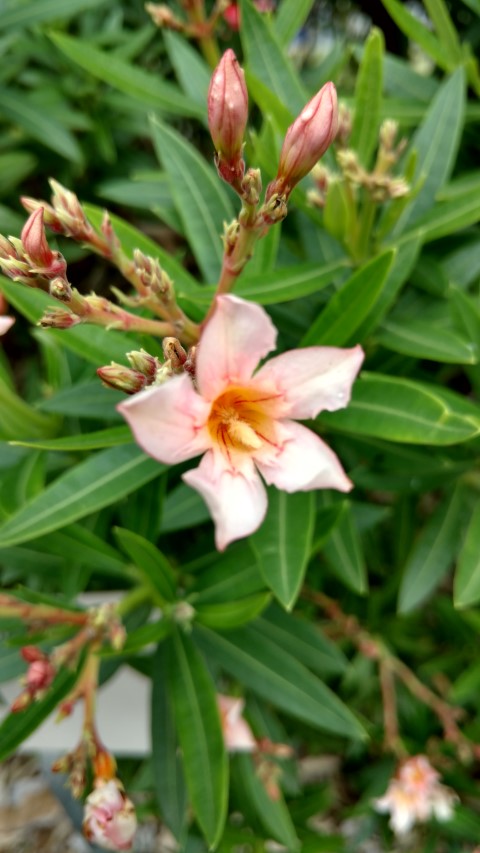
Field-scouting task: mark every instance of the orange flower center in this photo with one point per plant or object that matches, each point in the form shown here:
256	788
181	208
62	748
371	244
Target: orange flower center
241	419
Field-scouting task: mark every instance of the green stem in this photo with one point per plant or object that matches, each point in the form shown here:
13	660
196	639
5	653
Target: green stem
365	225
133	599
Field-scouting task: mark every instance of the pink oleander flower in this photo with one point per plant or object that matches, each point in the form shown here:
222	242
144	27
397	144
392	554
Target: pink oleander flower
109	817
414	795
237	734
243	422
5	324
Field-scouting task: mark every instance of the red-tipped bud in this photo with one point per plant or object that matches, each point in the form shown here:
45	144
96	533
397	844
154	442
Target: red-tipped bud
122	378
30	654
104	765
35	245
40	675
58	319
232	16
306	140
227	116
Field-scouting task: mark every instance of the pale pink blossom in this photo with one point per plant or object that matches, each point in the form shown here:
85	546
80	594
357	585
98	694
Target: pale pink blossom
242	421
414	795
5	324
237	734
109	817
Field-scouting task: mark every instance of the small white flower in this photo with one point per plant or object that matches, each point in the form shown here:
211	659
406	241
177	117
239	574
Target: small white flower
415	795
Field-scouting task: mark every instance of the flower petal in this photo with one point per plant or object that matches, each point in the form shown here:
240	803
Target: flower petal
238	335
168	422
313	379
303	462
5	324
236	498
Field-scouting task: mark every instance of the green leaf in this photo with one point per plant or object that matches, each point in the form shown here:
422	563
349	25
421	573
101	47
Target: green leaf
183	508
466	589
99	481
424	339
442	22
290	18
446	217
144	86
347	309
20	420
283	543
14	166
229	577
368	97
23	14
231	614
15	728
20	109
201	201
420	34
200	735
436	142
112	437
403	410
152	564
343	552
85	400
274	674
266	58
167	769
303	640
432	554
273	814
282	285
403	263
191	69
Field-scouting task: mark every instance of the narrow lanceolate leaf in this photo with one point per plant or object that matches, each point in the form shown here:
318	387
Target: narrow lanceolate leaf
284	541
403	410
15	14
201	201
290	18
150	562
445	29
98	440
368	96
18	108
272	813
200	735
343	552
303	640
266	59
446	217
282	285
433	553
143	86
99	481
191	69
436	142
466	589
277	676
15	728
418	32
423	339
347	309
20	420
232	614
168	776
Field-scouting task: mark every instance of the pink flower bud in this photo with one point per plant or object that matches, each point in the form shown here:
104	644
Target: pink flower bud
122	378
40	675
109	817
35	245
227	116
232	16
306	140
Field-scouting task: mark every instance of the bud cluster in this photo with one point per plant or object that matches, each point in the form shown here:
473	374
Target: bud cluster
146	370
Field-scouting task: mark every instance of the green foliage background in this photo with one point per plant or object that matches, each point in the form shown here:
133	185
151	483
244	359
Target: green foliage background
98	98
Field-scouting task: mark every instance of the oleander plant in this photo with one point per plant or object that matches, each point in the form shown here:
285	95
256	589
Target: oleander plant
239	409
